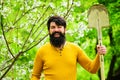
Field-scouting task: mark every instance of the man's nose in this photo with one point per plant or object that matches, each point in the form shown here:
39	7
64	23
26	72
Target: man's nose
56	29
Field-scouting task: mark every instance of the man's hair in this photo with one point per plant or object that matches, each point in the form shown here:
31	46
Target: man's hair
58	20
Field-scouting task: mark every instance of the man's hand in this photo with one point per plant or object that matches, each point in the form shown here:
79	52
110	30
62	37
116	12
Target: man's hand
101	49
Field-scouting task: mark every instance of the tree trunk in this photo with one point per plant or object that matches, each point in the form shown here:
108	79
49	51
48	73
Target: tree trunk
116	75
110	73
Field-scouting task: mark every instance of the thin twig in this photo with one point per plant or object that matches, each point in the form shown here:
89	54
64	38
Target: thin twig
68	10
34	26
36	43
6	62
5	68
37	35
40	19
28	36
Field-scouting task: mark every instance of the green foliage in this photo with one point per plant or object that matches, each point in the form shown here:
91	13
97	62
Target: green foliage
82	74
23	30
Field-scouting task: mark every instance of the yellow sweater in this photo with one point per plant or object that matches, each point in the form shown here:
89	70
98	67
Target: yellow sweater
62	65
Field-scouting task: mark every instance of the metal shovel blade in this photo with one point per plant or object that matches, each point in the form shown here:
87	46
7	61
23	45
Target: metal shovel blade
98	15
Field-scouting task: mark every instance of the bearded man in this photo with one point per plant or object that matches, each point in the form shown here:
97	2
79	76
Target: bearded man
58	59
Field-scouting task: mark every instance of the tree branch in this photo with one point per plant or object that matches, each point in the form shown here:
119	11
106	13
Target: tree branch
10	66
36	28
23	14
17	56
4	34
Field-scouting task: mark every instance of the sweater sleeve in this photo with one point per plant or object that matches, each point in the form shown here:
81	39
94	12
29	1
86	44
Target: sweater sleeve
90	65
37	67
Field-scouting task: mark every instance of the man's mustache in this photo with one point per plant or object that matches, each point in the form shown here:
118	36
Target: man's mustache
56	33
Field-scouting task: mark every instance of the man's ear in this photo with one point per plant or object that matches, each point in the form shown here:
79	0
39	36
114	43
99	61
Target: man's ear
48	31
65	29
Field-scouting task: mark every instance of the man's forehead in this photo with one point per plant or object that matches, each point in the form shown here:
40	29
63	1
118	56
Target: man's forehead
54	23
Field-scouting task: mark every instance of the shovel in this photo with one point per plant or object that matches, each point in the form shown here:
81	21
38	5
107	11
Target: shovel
98	18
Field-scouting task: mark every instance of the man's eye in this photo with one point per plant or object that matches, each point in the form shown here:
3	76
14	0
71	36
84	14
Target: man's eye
59	26
52	27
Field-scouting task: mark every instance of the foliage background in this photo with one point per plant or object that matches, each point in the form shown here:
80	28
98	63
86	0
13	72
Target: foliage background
23	30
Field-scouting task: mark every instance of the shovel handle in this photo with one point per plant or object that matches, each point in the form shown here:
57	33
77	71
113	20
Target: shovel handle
101	63
102	67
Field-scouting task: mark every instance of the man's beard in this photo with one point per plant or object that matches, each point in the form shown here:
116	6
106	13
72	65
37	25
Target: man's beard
57	41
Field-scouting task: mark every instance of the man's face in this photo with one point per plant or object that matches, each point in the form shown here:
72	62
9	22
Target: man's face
55	28
57	34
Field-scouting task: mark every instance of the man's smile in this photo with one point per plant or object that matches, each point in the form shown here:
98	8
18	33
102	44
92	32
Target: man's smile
56	35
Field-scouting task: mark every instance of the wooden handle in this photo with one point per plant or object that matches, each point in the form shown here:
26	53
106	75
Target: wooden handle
101	62
102	67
